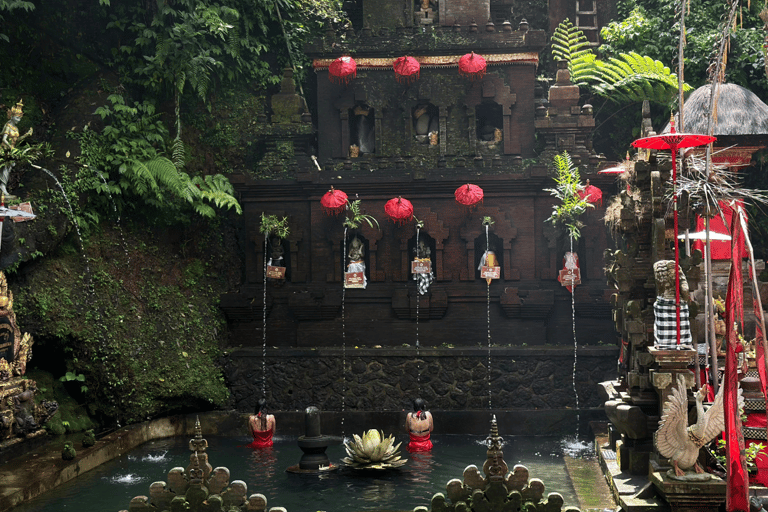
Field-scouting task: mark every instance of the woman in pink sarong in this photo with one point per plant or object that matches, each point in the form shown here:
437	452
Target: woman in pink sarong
262	426
419	426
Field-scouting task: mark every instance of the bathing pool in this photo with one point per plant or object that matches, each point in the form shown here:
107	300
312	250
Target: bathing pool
110	487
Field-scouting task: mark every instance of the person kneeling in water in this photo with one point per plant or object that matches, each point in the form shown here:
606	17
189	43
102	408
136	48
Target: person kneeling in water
262	426
419	426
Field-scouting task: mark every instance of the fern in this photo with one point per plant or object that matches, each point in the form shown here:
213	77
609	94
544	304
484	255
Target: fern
571	205
629	78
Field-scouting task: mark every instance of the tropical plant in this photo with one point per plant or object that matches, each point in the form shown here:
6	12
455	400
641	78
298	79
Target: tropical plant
125	162
373	451
10	5
566	213
273	225
628	77
355	217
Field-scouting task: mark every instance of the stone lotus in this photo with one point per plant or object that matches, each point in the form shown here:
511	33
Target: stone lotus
373	451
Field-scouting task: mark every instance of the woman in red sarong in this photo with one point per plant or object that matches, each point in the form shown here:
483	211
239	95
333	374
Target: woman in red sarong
419	426
262	426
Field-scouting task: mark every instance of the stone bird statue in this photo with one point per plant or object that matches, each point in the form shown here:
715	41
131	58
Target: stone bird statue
680	442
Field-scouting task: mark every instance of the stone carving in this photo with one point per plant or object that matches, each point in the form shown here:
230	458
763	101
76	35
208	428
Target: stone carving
681	443
89	439
498	489
356	255
665	309
199	488
10	138
68	452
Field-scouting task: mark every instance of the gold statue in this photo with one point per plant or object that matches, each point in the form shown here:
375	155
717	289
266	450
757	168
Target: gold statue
9	140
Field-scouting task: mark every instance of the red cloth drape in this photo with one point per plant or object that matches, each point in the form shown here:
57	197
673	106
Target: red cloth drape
261	439
721	249
737	485
419	443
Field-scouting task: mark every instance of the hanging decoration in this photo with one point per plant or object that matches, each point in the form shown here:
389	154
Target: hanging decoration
472	66
399	210
342	70
570	275
674	141
591	194
468	195
334	201
407	69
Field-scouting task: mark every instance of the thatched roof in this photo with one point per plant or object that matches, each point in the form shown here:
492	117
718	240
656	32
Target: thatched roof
739	112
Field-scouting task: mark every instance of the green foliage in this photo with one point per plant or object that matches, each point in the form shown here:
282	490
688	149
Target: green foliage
652	27
123	167
355	216
10	5
273	225
132	327
566	213
625	78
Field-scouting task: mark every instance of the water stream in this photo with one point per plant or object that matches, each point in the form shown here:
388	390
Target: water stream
418	366
488	315
343	330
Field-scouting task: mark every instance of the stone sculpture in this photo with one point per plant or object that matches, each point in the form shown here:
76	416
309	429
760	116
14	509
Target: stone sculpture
423	280
68	452
10	138
664	309
199	488
356	255
681	443
498	490
89	438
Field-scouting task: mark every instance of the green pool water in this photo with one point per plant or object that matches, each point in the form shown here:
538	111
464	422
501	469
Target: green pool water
110	487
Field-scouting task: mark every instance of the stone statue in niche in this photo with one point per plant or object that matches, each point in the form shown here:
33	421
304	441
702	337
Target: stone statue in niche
489	133
425	125
366	134
356	257
425	279
665	311
276	252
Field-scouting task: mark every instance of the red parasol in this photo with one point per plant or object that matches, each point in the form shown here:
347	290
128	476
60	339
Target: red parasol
406	69
472	66
674	141
399	210
334	201
468	195
591	194
342	70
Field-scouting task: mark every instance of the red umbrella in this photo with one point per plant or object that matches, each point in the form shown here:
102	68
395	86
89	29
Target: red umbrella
674	141
472	66
468	195
591	194
334	201
342	70
406	69
399	210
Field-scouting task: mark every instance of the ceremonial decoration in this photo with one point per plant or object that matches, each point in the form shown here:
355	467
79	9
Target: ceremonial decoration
399	210
472	66
407	69
334	201
342	70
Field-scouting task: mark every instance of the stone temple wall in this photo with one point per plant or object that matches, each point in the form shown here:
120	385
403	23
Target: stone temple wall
449	379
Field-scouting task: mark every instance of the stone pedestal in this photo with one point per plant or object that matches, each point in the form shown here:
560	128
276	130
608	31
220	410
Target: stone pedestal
688	496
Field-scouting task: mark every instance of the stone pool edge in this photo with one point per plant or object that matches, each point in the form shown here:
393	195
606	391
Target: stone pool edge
43	469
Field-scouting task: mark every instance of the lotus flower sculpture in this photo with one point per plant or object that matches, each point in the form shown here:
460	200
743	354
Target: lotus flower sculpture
373	451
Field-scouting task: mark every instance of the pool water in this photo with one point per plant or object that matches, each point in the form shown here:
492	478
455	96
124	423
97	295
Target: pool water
110	487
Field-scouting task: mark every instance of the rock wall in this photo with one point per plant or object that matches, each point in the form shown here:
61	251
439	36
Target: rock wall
448	379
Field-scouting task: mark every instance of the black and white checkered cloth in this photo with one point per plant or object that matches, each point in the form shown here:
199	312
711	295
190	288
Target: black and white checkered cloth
665	326
423	281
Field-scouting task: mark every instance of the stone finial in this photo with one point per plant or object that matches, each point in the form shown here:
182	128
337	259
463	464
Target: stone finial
495	468
490	26
523	26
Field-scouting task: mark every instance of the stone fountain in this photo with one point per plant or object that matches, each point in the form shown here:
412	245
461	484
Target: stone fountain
314	444
499	490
